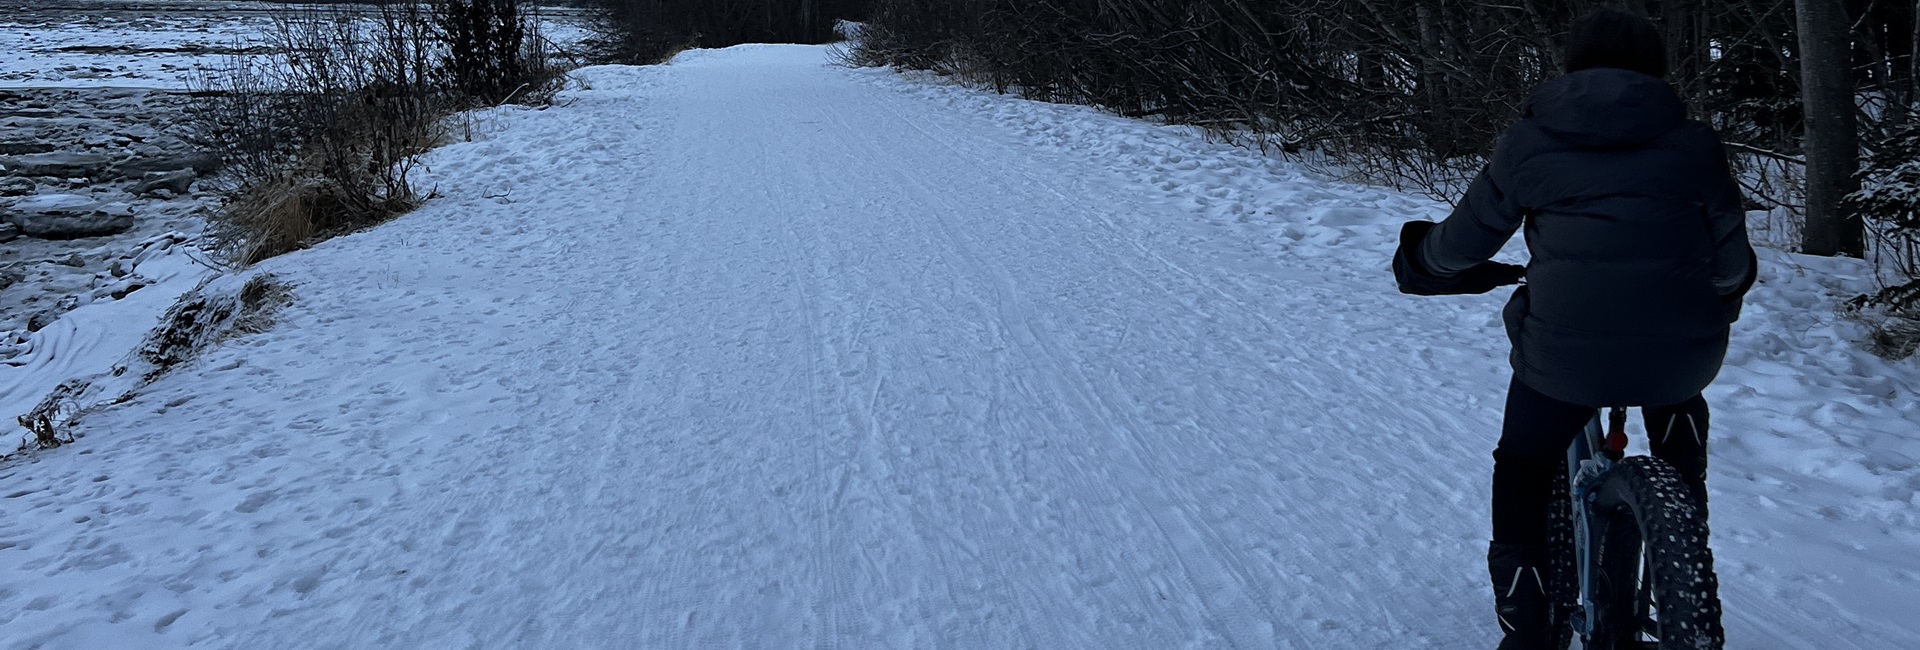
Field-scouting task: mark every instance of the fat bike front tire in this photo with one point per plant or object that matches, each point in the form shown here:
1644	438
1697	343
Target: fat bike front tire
1656	584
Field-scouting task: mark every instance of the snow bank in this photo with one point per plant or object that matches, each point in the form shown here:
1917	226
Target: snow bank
221	307
749	349
1816	447
110	321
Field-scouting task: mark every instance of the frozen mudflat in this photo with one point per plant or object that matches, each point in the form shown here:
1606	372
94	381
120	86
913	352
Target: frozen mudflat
161	44
755	351
116	43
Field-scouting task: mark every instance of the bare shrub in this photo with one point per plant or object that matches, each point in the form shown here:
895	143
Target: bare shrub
1410	93
1893	318
1889	203
920	36
321	137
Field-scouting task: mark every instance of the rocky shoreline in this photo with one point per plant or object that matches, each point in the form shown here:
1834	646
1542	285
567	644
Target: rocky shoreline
90	178
97	169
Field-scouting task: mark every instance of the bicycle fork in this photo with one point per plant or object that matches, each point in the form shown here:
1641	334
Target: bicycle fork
1584	470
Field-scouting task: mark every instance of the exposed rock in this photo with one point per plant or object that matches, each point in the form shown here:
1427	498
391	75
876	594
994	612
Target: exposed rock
23	148
45	317
68	216
203	163
40	319
121	291
64	164
136	132
178	181
74	260
115	126
10	277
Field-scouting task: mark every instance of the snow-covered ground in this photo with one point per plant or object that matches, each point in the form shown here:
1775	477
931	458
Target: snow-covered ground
98	80
105	80
755	351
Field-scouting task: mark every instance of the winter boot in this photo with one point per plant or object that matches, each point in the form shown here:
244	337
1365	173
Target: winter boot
1693	471
1678	435
1686	451
1520	594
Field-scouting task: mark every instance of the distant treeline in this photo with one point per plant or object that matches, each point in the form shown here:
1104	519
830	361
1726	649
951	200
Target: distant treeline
651	29
1415	92
1416	83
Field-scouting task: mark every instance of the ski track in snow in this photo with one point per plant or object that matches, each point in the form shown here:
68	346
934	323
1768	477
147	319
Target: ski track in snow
755	351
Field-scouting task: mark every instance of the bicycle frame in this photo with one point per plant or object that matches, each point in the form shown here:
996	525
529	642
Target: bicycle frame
1585	468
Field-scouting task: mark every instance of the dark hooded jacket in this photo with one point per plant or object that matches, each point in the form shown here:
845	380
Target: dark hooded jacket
1638	239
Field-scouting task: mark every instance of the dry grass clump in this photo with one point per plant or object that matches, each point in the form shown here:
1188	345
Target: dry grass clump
1893	318
207	317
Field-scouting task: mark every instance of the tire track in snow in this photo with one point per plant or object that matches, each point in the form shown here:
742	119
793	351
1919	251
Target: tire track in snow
1041	345
1214	540
789	357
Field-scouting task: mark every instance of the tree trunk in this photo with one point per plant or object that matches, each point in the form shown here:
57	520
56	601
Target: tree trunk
1833	151
1676	22
1440	123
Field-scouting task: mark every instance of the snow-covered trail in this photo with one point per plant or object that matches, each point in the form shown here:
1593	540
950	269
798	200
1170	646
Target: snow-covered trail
754	351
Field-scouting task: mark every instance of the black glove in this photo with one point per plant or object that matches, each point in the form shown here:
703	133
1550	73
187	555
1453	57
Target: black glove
1487	276
1414	278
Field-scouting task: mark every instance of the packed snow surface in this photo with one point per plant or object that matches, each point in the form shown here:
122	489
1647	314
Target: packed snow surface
752	350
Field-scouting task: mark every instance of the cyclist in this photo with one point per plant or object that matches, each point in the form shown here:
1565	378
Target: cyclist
1639	262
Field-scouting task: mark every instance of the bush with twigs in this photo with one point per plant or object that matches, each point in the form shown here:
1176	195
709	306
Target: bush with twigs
1889	203
1414	93
1411	93
321	137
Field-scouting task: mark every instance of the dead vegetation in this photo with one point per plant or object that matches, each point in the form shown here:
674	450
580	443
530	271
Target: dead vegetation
206	318
1413	94
321	137
1893	318
218	310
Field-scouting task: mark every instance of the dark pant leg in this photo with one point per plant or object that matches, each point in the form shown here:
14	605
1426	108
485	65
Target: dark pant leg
1533	442
1678	434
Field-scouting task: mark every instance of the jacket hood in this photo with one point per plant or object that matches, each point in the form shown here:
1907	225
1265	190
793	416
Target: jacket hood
1606	108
